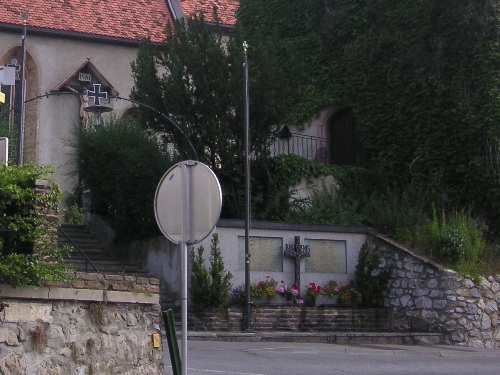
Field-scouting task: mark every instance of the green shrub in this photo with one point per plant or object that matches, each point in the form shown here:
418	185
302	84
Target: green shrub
121	166
455	239
73	215
32	269
209	288
460	238
28	244
326	206
370	279
395	210
20	227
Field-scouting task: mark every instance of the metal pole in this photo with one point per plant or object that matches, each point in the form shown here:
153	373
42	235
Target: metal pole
20	129
184	256
248	327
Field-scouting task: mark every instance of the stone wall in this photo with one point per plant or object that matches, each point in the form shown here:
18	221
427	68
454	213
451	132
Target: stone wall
293	318
95	324
428	298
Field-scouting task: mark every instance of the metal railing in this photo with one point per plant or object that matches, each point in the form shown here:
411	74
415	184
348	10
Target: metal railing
87	260
306	146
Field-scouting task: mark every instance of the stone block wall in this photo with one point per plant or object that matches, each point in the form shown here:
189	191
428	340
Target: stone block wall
428	298
293	318
95	324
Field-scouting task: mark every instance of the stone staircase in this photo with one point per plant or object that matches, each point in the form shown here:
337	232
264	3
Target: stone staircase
92	254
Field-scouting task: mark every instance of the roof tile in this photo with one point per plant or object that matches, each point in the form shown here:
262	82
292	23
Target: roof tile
226	9
128	19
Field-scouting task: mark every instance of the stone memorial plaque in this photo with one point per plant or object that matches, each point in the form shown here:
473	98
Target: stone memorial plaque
266	254
327	256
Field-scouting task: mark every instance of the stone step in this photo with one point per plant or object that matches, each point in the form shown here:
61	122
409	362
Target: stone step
95	252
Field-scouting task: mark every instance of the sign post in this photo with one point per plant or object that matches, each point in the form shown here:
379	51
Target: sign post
188	188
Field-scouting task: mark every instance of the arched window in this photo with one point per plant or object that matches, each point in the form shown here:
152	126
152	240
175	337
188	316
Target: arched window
11	112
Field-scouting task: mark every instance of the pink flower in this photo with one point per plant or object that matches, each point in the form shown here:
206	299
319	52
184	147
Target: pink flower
300	301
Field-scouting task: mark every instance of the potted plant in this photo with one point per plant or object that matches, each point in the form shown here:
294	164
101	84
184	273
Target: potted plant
263	291
330	293
349	295
313	291
289	292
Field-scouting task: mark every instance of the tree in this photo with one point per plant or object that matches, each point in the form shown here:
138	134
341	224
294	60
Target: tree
121	166
370	278
209	288
196	77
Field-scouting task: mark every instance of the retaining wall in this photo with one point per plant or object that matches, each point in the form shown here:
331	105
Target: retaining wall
428	298
292	318
95	324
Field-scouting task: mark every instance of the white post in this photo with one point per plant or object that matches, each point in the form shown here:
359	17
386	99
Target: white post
184	256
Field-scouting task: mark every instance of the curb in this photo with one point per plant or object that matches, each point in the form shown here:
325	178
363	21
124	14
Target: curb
343	338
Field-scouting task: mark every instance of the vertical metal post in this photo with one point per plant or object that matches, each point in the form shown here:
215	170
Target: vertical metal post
184	256
248	327
20	129
173	348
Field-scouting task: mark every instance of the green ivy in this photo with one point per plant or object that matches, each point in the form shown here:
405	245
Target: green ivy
420	77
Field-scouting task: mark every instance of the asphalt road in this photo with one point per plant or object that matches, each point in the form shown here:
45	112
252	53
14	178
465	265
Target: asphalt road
273	358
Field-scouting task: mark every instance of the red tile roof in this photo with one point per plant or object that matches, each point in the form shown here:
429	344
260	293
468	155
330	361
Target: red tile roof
127	19
226	9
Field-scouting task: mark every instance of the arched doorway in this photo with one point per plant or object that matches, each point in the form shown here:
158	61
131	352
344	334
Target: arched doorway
13	100
344	139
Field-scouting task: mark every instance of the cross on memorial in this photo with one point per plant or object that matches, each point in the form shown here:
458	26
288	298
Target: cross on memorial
297	251
97	94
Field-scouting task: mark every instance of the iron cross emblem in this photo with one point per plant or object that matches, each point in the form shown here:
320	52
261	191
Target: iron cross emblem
97	94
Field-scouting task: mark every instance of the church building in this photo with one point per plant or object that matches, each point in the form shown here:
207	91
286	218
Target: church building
78	55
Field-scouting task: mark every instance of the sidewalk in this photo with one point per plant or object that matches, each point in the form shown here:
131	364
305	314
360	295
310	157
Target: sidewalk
345	338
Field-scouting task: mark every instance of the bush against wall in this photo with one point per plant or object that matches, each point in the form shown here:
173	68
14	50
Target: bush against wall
209	288
121	166
370	279
28	225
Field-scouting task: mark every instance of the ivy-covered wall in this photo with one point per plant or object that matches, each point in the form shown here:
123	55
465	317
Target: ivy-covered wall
420	78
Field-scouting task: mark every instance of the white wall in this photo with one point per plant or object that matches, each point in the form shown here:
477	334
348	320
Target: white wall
164	258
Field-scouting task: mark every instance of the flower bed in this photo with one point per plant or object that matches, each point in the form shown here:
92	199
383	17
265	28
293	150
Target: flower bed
269	292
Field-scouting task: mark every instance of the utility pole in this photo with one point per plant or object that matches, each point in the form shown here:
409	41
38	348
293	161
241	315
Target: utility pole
248	327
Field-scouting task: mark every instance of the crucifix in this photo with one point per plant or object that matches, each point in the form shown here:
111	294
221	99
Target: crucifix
297	251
